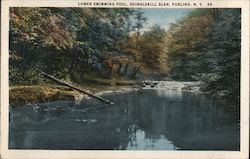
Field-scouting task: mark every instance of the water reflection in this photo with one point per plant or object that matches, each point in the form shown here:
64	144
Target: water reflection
140	120
139	141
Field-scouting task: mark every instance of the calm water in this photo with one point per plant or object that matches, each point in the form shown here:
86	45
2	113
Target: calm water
139	120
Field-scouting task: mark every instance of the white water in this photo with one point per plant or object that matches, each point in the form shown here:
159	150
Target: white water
172	85
164	88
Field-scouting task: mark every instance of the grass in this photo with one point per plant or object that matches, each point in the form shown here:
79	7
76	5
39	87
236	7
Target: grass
20	95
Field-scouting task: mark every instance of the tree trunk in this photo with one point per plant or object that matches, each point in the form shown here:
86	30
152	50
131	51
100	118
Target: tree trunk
111	71
75	88
82	69
126	68
75	68
135	71
119	68
74	59
137	38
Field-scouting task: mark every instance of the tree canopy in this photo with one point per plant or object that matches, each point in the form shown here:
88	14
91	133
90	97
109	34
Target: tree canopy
205	46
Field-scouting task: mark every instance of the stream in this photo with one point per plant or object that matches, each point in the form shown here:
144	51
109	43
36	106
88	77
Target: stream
158	117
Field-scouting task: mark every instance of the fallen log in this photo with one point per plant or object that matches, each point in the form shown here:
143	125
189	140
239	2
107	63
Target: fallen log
75	88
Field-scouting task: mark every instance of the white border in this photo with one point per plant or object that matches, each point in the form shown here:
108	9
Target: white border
77	154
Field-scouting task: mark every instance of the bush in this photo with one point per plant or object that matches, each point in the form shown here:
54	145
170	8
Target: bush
25	77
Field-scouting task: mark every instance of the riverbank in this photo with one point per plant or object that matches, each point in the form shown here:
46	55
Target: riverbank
21	95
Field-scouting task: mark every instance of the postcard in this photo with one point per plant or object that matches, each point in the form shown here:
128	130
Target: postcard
124	79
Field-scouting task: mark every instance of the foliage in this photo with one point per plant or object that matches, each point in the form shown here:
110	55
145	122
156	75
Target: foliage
183	42
19	76
39	27
73	43
210	52
152	52
222	55
63	41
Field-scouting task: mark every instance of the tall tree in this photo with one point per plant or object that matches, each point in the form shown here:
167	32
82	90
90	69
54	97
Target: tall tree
140	19
184	39
210	52
221	56
153	52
